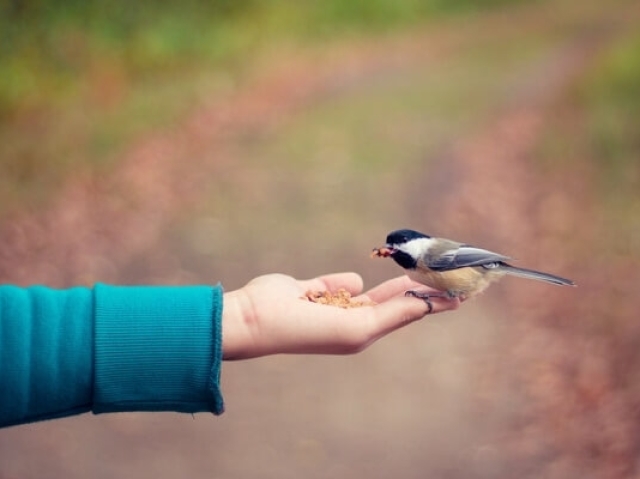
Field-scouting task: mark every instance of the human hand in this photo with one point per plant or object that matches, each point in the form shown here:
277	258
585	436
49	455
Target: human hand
267	316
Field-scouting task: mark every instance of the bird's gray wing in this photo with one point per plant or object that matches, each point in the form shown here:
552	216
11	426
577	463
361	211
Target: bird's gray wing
461	257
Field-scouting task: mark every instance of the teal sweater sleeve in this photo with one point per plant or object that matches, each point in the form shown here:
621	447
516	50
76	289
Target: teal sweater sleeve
110	348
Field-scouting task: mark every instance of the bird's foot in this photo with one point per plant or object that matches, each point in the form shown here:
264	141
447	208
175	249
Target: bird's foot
426	297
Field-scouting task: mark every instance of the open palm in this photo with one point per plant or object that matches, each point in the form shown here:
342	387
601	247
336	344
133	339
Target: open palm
268	316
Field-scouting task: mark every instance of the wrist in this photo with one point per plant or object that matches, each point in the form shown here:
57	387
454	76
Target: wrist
234	325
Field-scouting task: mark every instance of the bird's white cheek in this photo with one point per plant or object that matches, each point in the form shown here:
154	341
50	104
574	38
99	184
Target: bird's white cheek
417	247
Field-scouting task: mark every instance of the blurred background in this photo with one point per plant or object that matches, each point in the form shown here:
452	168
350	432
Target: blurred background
196	142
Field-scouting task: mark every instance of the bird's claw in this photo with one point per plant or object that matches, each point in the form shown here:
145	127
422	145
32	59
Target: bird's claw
426	297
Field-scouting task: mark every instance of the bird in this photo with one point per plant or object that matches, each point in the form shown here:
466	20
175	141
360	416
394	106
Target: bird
455	270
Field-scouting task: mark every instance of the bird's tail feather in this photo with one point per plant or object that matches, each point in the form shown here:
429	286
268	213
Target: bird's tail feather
538	275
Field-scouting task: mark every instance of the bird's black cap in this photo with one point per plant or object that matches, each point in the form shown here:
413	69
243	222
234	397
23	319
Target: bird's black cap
402	236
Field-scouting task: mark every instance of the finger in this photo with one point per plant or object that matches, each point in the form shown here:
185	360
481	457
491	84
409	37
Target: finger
400	311
369	324
390	289
352	282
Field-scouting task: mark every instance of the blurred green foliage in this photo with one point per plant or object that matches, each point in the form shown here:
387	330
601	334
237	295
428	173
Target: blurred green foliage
85	78
598	135
46	48
611	95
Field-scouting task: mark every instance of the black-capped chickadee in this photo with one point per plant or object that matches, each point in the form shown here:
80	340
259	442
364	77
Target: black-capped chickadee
455	269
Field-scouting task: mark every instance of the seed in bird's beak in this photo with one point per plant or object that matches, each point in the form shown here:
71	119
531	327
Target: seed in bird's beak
383	252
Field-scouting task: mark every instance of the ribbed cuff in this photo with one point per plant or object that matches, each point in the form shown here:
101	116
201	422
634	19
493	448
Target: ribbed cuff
217	404
157	348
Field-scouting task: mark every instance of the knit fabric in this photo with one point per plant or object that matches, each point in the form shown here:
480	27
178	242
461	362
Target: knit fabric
163	339
46	350
113	348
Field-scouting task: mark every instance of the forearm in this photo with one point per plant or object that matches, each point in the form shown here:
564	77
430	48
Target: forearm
64	352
